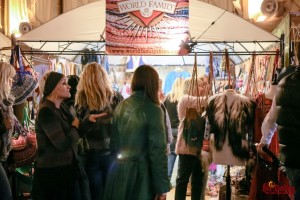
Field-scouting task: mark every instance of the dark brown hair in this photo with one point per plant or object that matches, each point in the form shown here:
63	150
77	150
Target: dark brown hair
146	78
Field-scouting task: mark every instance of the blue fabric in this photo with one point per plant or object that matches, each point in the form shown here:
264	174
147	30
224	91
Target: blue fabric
105	64
141	62
97	167
130	63
171	162
170	78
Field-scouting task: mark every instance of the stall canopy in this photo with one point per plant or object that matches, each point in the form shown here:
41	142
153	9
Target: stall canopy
211	29
5	45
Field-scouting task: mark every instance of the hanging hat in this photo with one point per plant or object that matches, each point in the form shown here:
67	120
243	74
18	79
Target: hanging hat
24	89
51	82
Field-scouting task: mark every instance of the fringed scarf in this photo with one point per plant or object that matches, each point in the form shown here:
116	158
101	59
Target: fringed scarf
5	138
7	110
236	120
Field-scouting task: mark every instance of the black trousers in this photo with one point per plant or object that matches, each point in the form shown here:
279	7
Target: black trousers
189	165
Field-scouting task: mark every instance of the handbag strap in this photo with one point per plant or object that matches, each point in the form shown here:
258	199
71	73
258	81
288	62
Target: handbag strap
227	68
16	59
194	82
211	78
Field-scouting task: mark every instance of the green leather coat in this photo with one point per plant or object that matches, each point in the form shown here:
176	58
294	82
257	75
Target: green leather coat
139	141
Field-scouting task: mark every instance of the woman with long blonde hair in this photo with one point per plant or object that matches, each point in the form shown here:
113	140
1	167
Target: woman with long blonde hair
95	95
171	101
94	88
190	155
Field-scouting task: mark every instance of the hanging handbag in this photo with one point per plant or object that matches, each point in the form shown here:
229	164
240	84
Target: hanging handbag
194	120
24	144
194	125
19	138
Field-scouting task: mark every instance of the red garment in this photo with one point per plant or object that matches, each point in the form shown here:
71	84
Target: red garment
261	174
262	109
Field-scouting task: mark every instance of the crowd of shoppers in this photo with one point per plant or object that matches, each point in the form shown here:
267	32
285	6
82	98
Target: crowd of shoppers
132	143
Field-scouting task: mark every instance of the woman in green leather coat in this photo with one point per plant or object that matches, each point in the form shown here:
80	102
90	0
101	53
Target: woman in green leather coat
139	143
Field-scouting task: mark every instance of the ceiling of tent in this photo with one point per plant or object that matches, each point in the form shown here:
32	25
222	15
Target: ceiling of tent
212	28
5	46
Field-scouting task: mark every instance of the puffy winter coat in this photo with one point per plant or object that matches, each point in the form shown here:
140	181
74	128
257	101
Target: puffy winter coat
139	143
288	119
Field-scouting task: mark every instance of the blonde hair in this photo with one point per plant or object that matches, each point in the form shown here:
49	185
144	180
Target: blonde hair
177	90
201	81
7	72
94	88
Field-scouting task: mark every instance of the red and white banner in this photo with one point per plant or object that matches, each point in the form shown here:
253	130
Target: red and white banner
146	27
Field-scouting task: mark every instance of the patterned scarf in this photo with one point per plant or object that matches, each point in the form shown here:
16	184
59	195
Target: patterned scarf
7	110
5	139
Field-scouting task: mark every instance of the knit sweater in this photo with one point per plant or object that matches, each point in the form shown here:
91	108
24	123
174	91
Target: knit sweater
181	146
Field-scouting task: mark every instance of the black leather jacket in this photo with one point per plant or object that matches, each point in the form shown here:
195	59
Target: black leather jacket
288	118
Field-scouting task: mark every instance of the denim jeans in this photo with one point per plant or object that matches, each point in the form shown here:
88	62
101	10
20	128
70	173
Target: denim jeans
171	161
97	167
5	191
190	165
294	178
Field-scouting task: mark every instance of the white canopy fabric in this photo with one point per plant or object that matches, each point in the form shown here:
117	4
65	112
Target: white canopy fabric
4	41
213	28
5	44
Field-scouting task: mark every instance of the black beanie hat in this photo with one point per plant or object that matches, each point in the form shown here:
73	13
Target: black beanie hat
51	82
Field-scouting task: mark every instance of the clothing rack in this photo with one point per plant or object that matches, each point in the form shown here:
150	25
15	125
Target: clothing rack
202	48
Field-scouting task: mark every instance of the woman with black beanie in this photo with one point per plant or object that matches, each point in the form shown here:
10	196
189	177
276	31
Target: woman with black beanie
56	170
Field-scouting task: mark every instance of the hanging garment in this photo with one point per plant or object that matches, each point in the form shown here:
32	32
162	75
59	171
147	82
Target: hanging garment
231	118
263	173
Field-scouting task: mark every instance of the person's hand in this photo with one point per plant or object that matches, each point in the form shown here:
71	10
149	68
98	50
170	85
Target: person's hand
75	122
161	196
259	148
94	117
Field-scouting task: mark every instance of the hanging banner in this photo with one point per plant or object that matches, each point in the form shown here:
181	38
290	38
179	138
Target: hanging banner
146	27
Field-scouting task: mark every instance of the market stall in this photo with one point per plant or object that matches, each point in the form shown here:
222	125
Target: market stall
212	30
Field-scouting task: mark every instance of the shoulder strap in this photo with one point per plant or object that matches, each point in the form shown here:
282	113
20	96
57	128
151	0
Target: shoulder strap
194	82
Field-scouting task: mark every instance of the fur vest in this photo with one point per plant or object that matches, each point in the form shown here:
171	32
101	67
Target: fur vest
231	117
